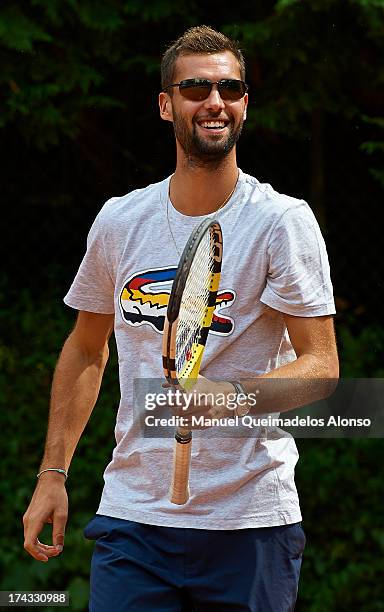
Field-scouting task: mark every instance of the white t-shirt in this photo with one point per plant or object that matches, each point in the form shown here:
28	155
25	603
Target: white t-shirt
274	262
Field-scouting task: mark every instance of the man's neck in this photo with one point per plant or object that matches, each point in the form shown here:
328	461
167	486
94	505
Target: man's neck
197	190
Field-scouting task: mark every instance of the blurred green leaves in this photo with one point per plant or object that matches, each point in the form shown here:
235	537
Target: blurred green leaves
54	66
341	486
314	55
19	32
362	350
375	146
62	58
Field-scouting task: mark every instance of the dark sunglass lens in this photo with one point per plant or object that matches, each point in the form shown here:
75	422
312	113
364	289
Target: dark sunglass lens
195	91
232	90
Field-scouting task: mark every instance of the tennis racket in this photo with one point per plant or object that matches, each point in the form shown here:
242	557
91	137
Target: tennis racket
189	317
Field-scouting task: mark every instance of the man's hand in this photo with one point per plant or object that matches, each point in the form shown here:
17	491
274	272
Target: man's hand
209	399
49	504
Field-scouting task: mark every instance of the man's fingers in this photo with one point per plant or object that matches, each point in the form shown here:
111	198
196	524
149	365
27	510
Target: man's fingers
32	529
48	550
58	533
31	543
40	551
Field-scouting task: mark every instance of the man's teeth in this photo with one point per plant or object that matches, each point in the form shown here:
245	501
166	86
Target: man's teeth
212	124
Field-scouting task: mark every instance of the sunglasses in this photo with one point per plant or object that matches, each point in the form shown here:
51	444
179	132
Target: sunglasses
197	90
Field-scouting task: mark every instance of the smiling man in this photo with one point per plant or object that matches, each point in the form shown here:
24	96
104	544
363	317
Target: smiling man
207	106
237	544
214	124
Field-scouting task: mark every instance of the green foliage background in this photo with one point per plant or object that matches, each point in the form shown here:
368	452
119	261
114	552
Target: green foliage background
78	124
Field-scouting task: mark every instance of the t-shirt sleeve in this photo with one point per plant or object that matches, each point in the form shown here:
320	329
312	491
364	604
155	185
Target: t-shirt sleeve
93	287
298	279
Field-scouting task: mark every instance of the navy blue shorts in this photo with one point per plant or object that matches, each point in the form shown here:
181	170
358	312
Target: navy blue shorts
137	567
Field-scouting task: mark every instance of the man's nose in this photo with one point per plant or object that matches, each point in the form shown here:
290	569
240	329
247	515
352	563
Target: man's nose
214	100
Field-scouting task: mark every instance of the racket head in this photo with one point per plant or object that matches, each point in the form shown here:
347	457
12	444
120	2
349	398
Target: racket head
192	303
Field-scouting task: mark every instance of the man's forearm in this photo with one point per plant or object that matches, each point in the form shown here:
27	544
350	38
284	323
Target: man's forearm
75	388
307	379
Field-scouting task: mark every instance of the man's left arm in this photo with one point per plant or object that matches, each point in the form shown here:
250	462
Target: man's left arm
314	342
311	376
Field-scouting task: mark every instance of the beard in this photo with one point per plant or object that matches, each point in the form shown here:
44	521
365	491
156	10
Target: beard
200	151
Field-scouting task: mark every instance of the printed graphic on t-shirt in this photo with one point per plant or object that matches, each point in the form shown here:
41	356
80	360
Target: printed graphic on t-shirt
145	295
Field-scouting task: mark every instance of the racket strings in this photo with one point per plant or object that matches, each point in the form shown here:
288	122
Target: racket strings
194	303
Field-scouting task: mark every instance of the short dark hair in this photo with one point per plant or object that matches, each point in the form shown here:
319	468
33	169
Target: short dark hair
198	40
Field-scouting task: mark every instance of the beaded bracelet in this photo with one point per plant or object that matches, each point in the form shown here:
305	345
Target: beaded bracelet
53	470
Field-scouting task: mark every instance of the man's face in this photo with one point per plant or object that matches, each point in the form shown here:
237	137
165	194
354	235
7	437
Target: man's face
206	130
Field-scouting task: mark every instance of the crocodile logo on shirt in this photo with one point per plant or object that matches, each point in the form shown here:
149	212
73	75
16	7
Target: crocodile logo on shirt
145	295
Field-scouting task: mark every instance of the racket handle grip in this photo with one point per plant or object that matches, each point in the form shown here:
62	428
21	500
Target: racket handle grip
179	492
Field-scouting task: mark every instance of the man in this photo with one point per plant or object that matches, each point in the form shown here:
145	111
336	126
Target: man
237	544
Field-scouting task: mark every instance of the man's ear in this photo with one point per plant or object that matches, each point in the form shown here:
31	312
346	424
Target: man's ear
245	106
165	106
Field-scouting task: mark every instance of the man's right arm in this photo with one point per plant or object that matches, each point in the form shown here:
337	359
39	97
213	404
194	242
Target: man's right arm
75	388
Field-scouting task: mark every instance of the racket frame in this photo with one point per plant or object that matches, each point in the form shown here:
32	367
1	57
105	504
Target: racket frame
179	491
